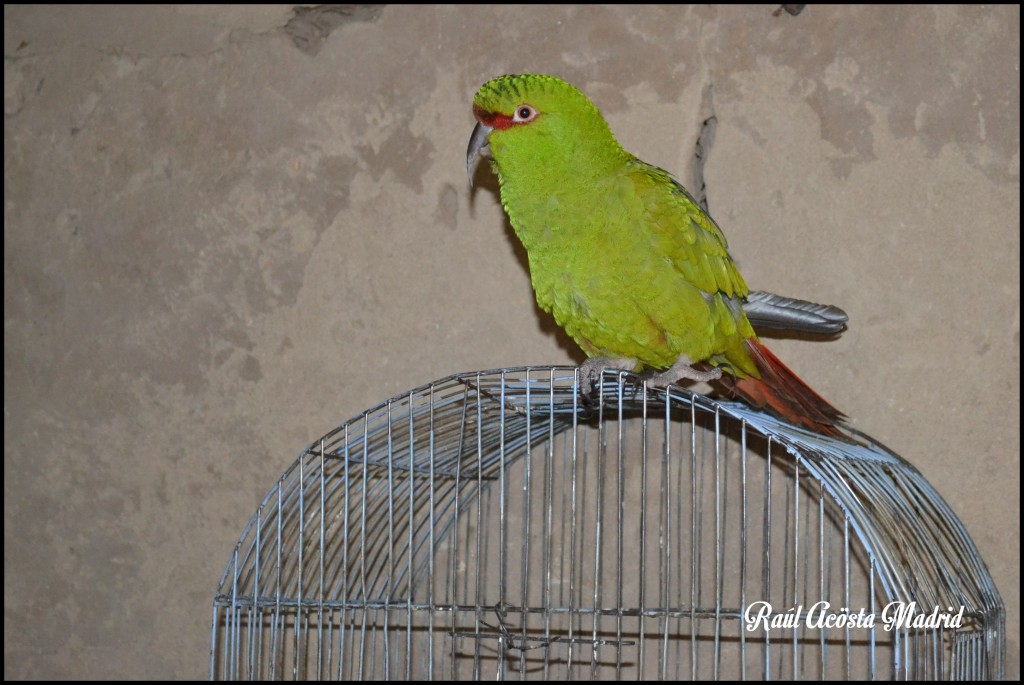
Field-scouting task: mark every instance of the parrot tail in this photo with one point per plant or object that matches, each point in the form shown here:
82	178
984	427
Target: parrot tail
783	393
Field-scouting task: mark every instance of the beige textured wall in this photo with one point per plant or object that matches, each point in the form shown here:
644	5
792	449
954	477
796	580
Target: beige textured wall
222	238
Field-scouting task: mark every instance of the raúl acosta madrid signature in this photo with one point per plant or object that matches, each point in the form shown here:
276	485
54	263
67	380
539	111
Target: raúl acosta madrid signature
762	616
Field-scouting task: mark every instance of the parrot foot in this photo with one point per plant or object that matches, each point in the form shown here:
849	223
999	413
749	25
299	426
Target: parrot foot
684	369
591	370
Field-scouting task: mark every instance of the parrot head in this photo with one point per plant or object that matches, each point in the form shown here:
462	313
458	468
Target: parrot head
539	125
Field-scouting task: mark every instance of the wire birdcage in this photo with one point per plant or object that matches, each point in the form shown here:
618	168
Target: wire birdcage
502	525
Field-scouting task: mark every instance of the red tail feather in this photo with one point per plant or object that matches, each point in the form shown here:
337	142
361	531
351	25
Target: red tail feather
783	393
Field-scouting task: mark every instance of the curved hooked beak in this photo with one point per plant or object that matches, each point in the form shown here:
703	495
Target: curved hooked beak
477	142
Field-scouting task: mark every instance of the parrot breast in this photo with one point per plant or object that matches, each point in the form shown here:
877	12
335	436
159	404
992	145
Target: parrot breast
611	278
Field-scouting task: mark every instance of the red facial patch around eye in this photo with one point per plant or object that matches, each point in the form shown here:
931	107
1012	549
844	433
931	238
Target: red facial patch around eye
497	120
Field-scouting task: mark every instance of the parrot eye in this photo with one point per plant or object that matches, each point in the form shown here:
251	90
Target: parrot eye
523	114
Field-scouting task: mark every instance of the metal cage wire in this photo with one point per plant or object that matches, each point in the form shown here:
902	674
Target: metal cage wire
498	524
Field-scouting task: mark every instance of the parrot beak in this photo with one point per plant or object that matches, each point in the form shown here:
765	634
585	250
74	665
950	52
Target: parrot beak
477	142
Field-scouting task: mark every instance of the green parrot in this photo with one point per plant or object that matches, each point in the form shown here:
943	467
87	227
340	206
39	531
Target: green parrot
622	255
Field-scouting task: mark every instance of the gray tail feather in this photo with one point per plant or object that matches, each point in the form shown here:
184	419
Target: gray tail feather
768	310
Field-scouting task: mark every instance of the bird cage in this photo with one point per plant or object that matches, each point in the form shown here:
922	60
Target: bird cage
501	524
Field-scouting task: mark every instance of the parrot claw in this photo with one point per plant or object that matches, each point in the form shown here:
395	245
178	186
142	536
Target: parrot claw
684	369
590	372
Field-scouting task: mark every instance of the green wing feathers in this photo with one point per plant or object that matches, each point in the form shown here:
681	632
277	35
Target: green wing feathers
690	237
